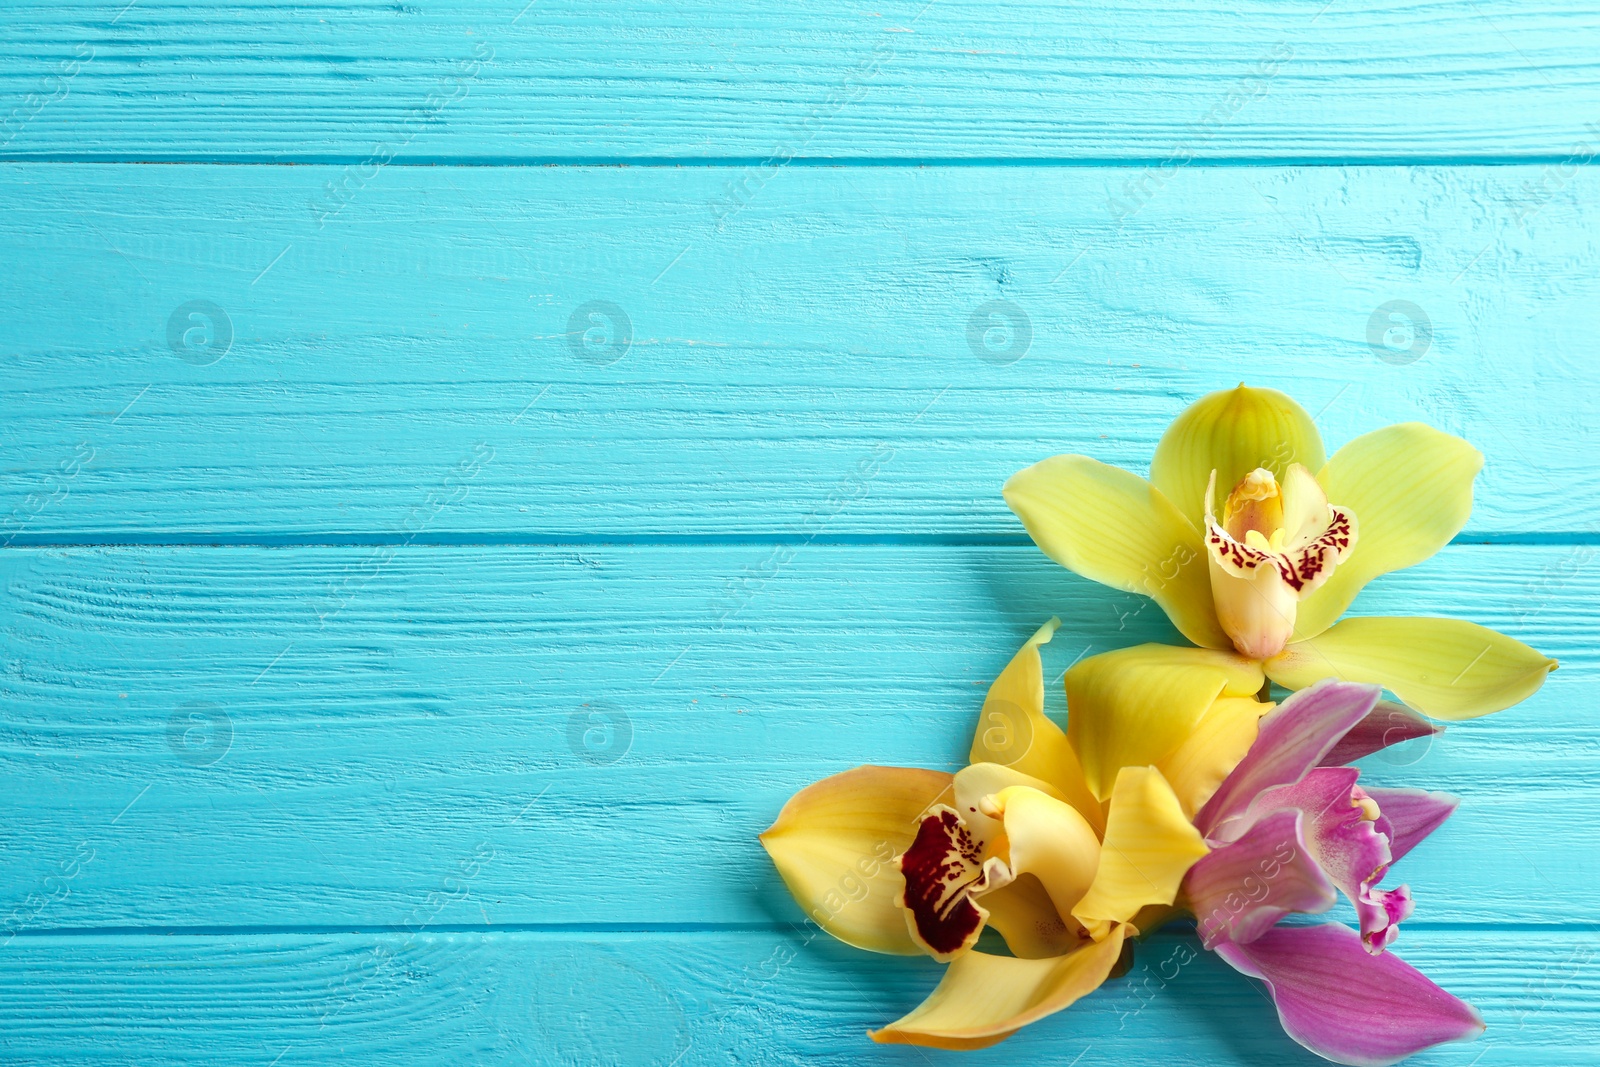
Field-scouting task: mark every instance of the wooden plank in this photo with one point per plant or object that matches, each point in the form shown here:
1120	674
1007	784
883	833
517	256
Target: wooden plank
310	735
817	365
503	997
511	81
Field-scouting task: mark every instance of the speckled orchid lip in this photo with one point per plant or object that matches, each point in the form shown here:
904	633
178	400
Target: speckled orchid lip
1273	547
944	872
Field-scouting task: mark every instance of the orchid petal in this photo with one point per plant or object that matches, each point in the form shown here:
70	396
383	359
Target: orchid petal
1115	528
1346	1005
1411	488
984	999
979	780
1446	668
1293	738
1239	891
1136	706
1014	731
1214	748
1028	920
1050	840
1386	724
1413	814
835	844
1148	847
1232	432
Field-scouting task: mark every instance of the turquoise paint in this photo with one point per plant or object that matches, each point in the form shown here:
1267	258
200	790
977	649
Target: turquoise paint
824	324
427	566
499	81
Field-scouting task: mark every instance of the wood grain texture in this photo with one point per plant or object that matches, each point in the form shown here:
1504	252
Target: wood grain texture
825	329
560	79
706	997
469	536
337	755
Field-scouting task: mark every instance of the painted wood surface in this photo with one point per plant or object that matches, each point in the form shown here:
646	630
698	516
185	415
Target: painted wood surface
426	566
649	999
542	80
739	379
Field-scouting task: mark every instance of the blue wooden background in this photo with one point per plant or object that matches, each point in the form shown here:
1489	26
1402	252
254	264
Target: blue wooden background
499	451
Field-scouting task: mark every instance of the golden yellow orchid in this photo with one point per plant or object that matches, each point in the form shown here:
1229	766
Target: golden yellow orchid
1269	575
1174	789
1061	858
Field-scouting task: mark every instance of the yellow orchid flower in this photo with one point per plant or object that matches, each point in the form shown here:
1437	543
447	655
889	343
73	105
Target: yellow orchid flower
1290	549
1063	866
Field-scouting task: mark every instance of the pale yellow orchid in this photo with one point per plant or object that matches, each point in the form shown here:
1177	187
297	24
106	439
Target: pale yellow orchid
1290	549
1066	859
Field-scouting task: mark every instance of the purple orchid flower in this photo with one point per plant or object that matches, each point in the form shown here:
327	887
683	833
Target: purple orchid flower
1289	829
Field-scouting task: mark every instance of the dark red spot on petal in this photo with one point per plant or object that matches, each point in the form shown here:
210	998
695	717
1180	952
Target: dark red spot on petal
938	867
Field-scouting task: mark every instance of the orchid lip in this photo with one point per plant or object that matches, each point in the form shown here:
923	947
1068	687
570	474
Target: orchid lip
1273	547
944	869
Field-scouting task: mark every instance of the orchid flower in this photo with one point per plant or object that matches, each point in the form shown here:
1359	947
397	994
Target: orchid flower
910	861
1294	542
1173	789
1288	827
